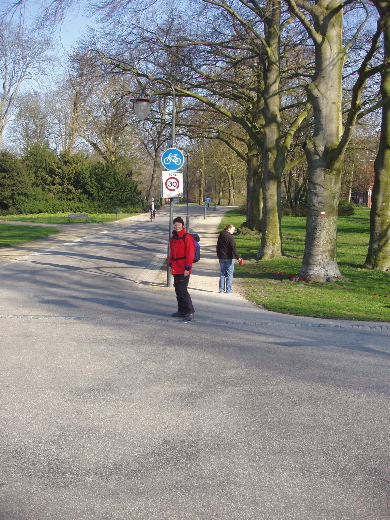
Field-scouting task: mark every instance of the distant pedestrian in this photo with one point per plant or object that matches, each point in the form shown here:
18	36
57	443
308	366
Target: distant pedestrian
182	250
208	202
152	209
227	253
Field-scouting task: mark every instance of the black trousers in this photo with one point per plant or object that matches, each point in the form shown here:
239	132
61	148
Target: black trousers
184	302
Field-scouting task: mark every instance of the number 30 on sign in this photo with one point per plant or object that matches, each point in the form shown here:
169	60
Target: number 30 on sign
171	184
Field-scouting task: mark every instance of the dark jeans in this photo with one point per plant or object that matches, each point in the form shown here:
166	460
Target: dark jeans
184	302
226	274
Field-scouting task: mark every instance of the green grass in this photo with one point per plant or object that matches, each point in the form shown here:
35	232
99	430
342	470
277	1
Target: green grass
272	285
62	218
12	235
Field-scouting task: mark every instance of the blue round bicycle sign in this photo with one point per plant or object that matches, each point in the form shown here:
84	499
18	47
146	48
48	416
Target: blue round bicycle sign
172	159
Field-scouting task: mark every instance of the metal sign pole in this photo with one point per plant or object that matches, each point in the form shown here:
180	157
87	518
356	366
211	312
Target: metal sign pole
169	274
187	215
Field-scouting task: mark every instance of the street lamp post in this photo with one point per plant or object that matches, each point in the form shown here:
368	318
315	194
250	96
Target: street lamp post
142	108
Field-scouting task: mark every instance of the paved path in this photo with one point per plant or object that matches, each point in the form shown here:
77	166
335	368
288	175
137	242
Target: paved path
112	410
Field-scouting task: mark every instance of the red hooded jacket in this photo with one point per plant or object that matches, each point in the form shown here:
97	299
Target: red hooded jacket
182	250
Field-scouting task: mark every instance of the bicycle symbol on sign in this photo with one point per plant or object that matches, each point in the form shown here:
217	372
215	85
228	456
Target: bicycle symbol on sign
172	158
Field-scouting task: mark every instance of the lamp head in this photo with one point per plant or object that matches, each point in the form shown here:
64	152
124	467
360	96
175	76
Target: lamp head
142	107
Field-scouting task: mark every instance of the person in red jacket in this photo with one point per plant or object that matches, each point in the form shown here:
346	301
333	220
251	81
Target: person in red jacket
181	256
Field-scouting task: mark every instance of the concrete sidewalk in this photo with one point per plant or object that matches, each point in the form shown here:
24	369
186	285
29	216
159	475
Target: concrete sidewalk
205	273
67	233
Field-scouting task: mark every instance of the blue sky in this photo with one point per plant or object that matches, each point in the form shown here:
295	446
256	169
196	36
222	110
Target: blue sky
72	28
67	32
65	35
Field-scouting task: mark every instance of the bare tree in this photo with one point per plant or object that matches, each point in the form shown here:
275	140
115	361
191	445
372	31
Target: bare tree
65	117
325	150
227	170
31	124
100	114
21	56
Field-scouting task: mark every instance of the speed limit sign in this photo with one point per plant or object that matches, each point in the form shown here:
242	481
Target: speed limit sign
171	184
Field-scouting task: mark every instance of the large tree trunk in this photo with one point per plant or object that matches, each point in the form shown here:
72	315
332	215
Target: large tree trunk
254	198
324	160
319	260
378	256
271	241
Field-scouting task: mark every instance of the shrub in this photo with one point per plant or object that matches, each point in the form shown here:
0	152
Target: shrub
346	208
244	230
295	211
13	182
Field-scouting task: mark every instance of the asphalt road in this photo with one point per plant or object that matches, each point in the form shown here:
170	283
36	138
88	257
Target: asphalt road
113	410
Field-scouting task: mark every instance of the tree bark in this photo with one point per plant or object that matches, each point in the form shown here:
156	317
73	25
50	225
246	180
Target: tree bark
230	180
271	238
378	256
323	156
254	194
201	194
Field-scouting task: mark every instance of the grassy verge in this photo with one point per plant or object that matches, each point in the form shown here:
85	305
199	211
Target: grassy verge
12	235
62	218
270	283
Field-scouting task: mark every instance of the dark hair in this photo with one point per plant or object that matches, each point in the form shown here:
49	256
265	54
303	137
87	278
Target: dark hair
178	219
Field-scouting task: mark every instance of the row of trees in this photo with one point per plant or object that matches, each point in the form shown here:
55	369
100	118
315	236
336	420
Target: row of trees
41	181
90	112
281	83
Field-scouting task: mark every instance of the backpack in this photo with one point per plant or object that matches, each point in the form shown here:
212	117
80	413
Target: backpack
196	238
